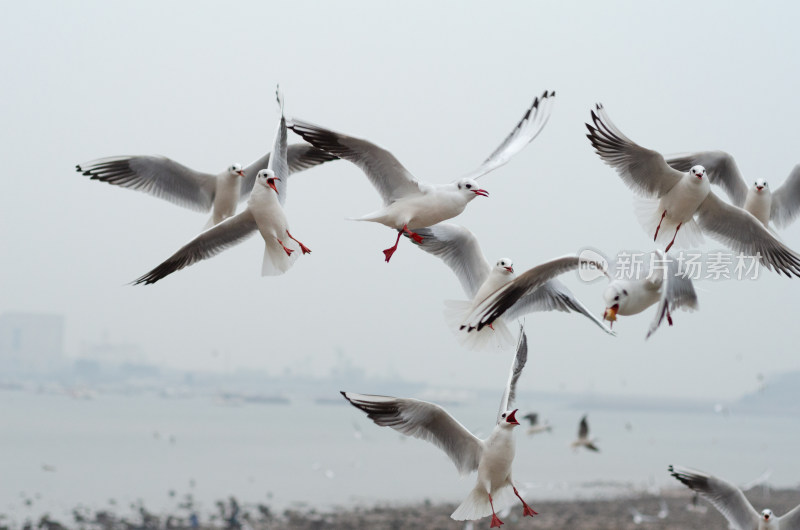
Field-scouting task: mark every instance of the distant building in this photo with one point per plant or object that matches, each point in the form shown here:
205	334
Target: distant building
31	342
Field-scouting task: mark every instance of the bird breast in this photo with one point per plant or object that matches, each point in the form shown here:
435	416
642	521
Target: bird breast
498	455
759	204
683	200
226	196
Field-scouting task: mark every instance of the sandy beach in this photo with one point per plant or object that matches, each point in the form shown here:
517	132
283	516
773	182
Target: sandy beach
602	514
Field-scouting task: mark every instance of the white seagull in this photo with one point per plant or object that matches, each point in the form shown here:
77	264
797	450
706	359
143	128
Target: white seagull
458	247
264	214
487	311
664	285
169	180
671	200
780	206
731	502
583	437
409	203
534	426
492	457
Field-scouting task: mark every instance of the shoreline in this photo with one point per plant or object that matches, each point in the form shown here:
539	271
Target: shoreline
601	513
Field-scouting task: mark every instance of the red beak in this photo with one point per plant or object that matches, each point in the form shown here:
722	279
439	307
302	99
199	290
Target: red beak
510	269
698	175
512	419
482	193
759	188
271	183
241	172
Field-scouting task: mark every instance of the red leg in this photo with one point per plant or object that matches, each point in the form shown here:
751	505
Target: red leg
669	317
288	250
659	225
496	522
413	235
389	251
304	248
526	510
673	238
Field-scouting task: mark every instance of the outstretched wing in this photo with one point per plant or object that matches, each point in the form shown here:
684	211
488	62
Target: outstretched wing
504	298
583	429
677	289
520	358
743	233
643	170
786	200
231	231
553	296
721	169
725	497
157	175
528	128
383	170
423	420
459	249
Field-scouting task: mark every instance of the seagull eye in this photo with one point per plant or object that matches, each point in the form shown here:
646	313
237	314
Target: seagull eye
625	292
504	415
469	186
616	298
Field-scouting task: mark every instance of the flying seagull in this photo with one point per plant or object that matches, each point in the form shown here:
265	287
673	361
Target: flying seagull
164	178
671	199
583	437
409	203
264	214
780	206
534	426
665	286
731	502
491	457
458	247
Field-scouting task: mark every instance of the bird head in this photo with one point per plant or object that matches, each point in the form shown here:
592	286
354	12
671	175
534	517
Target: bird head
471	189
509	418
236	169
504	265
698	172
766	514
760	185
615	296
267	178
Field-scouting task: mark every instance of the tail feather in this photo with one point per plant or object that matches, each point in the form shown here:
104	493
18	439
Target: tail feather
498	336
276	262
477	505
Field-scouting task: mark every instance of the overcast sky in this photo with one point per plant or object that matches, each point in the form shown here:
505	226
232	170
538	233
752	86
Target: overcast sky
439	84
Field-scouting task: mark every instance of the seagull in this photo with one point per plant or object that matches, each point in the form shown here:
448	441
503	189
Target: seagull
264	214
731	502
583	437
491	457
535	427
164	178
409	203
665	285
458	247
671	200
506	297
781	206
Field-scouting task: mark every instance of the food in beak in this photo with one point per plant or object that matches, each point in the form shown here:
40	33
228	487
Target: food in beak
611	313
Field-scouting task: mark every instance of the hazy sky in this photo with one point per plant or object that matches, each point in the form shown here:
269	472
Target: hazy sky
439	84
